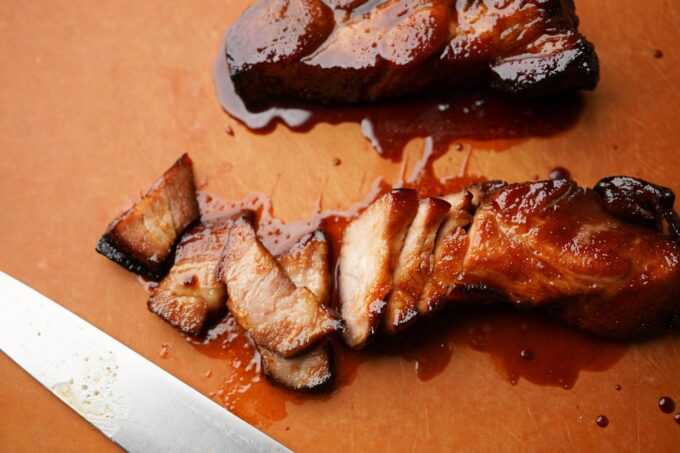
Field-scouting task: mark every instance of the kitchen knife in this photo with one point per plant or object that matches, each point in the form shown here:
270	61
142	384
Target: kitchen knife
132	401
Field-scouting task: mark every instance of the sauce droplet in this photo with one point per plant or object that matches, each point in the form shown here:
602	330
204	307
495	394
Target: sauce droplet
336	162
618	387
666	404
602	421
559	173
526	354
677	418
657	53
229	130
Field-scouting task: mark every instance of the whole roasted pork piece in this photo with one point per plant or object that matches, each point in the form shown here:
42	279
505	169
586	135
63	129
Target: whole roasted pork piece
348	51
606	260
142	238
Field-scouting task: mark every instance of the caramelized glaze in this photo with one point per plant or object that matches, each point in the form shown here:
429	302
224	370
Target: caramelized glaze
528	346
499	120
334	52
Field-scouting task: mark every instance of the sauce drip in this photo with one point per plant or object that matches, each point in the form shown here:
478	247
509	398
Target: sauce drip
389	126
666	404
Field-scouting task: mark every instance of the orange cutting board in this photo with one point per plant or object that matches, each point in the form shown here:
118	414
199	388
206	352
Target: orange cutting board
98	98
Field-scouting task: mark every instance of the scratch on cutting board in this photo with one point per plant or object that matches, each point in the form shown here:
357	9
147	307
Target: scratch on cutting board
275	186
515	437
566	425
533	420
427	423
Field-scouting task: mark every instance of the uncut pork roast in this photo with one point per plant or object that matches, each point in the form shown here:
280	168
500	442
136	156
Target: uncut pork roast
349	51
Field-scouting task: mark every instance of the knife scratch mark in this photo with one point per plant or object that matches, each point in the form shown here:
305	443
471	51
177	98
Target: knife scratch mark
533	420
515	437
566	425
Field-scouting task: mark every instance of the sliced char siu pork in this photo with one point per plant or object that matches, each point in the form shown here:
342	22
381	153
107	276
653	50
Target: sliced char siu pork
449	249
142	238
329	51
190	295
278	315
306	264
600	262
414	264
369	254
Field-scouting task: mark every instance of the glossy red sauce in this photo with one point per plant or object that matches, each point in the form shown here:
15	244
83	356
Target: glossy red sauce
528	346
500	120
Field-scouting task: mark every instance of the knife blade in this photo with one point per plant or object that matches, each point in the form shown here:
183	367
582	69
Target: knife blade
132	401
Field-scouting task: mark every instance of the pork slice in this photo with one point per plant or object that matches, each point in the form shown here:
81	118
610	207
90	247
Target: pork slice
369	255
279	316
142	238
415	264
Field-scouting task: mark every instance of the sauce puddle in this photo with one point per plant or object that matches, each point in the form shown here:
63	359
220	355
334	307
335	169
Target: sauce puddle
390	125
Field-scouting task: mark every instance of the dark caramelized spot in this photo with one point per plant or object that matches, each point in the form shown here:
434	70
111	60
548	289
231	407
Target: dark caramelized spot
657	53
638	201
666	404
602	421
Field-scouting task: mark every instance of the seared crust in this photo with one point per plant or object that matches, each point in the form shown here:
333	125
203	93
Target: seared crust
278	315
338	51
414	265
190	294
141	239
311	371
368	256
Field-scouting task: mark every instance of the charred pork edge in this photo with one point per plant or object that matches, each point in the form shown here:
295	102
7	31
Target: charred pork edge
322	387
119	254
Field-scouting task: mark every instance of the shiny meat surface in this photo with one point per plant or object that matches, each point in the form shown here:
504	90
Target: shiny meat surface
600	262
414	265
190	295
279	316
555	245
449	250
142	238
352	51
368	257
306	263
